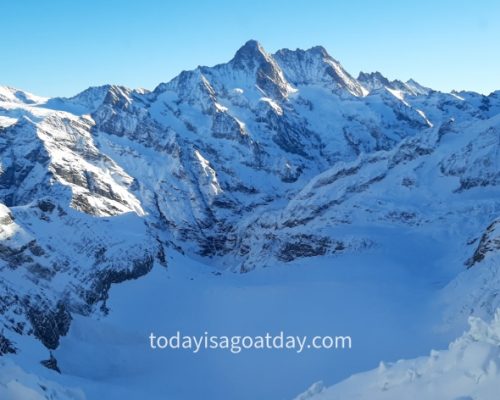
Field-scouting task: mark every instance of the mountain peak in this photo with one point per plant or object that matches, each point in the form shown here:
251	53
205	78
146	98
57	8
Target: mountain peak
373	80
319	50
9	94
90	99
316	67
417	87
256	62
249	55
252	45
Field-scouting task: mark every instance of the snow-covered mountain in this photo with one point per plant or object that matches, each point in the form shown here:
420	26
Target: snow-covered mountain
264	160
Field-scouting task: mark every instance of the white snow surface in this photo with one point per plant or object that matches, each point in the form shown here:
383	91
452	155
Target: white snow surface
468	369
16	384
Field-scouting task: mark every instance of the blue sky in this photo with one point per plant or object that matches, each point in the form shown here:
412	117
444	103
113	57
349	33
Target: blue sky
61	47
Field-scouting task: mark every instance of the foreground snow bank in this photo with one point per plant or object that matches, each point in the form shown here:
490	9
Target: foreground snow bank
468	370
16	384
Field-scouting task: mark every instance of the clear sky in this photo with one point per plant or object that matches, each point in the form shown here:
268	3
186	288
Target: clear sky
61	47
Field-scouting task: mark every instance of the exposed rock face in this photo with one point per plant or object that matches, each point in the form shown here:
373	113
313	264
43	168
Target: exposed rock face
253	60
489	244
316	67
261	160
57	261
306	246
51	363
6	346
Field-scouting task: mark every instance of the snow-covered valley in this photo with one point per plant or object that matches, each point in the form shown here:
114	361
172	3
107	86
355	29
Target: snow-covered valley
366	296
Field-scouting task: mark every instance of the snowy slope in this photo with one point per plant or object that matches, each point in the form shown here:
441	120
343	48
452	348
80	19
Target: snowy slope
468	369
16	384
